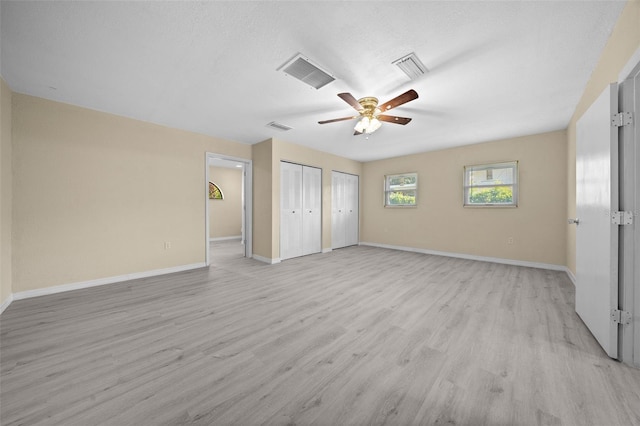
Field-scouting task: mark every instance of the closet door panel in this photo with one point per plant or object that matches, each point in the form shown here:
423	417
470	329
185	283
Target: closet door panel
351	210
312	210
290	210
344	210
338	216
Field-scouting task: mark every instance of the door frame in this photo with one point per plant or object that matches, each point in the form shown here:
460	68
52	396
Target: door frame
629	291
247	201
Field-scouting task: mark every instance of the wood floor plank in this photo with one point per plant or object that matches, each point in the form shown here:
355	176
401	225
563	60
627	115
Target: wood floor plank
361	335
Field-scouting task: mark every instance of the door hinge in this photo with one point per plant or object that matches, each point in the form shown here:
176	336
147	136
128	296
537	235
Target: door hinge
620	317
621	119
622	218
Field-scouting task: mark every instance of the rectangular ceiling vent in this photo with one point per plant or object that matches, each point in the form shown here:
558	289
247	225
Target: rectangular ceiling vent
301	68
279	126
411	65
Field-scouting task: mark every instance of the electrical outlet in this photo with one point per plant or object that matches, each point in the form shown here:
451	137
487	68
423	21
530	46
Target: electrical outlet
167	245
510	240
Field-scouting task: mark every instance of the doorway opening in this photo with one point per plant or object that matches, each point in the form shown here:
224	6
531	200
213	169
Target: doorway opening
242	192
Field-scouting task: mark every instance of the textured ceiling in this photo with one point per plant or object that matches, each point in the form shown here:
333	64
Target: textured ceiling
497	69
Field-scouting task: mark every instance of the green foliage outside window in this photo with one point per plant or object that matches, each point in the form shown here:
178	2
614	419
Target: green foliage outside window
403	180
401	190
493	195
402	198
487	185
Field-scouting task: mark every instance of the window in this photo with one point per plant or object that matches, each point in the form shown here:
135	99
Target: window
401	190
491	185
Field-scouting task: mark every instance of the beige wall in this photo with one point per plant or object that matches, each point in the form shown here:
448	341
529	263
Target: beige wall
225	216
624	41
441	223
262	199
267	189
6	196
97	195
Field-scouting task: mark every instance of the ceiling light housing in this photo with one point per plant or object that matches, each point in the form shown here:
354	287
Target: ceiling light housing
304	70
411	65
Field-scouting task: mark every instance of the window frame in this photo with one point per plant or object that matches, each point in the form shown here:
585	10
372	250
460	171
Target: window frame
490	166
387	190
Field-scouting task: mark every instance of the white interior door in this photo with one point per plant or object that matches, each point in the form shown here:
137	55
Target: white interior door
338	215
596	235
290	210
312	209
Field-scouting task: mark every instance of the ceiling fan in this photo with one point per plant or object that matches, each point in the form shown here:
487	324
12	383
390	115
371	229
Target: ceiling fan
371	115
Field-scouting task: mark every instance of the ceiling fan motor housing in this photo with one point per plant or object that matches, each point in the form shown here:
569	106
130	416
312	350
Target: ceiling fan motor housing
370	106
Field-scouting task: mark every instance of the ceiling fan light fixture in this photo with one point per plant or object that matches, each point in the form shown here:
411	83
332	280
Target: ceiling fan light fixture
367	125
411	65
362	125
371	114
374	124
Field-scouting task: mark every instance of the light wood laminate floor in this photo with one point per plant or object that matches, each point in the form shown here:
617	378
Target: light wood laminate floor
361	335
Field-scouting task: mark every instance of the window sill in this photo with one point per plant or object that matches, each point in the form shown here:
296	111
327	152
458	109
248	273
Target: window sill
490	206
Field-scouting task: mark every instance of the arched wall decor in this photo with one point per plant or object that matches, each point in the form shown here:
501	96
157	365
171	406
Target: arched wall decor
215	193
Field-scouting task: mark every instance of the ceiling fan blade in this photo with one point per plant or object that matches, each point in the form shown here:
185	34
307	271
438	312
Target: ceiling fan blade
348	98
407	96
394	119
337	119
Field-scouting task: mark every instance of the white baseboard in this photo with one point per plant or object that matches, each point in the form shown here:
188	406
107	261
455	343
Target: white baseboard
103	281
112	280
6	303
570	274
235	237
266	259
538	265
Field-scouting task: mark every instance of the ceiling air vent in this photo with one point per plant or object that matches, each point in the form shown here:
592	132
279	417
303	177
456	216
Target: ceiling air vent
301	68
279	126
411	65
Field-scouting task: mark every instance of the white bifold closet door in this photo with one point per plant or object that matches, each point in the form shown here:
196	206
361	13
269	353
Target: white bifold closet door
300	210
344	210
